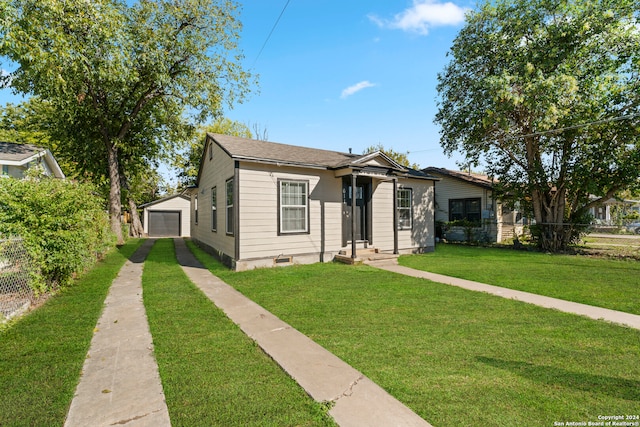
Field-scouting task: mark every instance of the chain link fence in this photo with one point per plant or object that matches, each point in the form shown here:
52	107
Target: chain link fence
16	296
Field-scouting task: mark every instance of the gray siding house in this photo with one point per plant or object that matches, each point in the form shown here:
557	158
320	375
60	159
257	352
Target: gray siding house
469	196
261	204
15	159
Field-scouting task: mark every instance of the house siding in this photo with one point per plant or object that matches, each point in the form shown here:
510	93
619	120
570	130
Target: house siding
258	194
216	171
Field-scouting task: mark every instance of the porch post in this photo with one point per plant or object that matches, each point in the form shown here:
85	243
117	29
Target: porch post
353	216
395	215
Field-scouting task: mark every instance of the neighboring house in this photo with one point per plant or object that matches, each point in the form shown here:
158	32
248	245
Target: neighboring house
259	204
603	215
469	196
15	159
167	217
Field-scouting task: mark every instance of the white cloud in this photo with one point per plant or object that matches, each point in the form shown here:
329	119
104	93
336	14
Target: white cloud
356	88
423	15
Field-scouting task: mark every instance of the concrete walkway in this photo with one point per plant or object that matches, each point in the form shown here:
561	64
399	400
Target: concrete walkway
357	400
120	384
598	313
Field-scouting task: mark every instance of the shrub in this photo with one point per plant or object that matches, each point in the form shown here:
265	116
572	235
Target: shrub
62	223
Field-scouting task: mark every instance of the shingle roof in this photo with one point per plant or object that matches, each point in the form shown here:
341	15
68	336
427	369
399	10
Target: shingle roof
251	149
284	154
18	152
472	178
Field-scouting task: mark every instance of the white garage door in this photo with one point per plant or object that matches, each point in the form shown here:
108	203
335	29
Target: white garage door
164	223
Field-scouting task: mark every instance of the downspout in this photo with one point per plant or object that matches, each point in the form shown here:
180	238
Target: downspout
435	222
236	209
353	216
395	216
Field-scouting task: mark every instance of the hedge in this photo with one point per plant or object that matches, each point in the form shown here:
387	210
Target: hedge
63	225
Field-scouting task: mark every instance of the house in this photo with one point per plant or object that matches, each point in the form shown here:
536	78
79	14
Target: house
469	196
261	204
167	217
612	211
15	159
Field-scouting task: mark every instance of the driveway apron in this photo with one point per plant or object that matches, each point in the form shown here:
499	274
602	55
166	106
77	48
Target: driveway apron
120	384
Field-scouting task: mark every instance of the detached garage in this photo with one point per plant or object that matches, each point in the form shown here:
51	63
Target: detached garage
168	217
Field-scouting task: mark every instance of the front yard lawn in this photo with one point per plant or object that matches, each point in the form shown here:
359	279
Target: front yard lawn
608	283
41	356
456	357
212	373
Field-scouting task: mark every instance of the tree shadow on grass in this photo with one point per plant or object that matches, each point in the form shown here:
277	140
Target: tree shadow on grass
620	388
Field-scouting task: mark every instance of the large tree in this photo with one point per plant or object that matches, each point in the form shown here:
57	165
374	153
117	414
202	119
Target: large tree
124	78
546	93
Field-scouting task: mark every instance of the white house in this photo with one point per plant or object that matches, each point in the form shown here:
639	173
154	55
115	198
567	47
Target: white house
15	159
167	217
469	196
260	204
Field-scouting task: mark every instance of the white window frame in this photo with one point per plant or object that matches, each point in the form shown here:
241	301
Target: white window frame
286	204
405	207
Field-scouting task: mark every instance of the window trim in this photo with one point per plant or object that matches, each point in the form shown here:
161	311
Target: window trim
307	228
214	209
409	208
465	213
229	208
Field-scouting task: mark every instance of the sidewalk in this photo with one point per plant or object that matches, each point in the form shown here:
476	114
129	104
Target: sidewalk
597	313
120	384
357	400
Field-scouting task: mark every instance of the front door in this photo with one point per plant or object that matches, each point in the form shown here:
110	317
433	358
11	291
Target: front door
362	206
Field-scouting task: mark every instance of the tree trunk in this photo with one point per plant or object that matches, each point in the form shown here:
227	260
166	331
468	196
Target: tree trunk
136	229
115	202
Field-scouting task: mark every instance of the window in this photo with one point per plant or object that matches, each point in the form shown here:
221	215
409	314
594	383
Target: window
214	209
465	209
5	169
293	206
210	151
229	191
405	218
195	209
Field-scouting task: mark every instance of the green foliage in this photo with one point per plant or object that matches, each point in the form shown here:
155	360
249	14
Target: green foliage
401	158
63	225
188	163
546	95
125	82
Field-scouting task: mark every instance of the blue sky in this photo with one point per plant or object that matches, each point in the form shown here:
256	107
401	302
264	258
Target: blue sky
341	74
338	74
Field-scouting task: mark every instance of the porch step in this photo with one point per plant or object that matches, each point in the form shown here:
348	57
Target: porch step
362	256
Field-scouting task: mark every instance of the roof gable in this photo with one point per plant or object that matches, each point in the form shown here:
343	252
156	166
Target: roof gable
19	154
14	154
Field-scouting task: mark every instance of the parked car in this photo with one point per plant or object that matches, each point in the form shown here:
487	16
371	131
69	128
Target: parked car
634	227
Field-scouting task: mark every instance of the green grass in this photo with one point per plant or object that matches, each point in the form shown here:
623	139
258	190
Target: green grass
42	354
212	373
613	284
456	357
